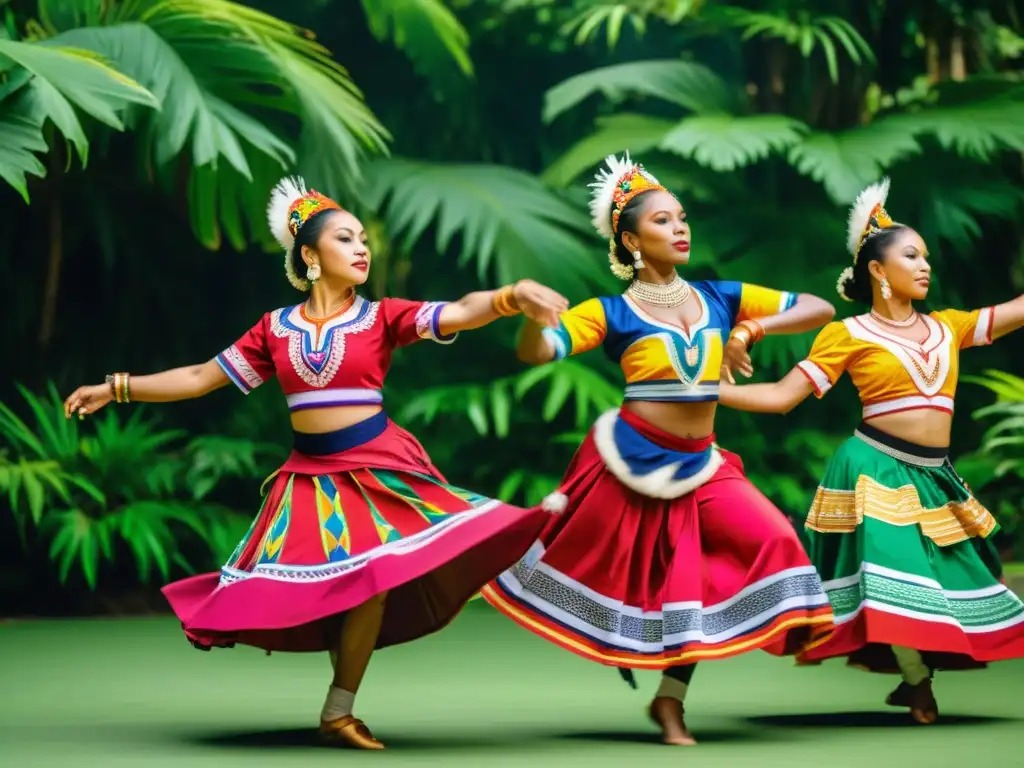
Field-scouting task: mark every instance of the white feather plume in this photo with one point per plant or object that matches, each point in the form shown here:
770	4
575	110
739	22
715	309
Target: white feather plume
861	210
287	191
602	196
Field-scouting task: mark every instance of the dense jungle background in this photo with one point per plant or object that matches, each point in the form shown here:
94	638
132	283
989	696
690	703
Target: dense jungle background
139	141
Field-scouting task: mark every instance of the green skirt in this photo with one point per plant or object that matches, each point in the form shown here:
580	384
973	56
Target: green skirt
903	551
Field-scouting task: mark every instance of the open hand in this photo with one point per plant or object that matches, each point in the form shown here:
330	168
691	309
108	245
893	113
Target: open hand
540	303
736	357
86	400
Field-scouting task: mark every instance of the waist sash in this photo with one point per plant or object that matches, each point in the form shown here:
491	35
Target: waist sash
901	450
649	468
340	440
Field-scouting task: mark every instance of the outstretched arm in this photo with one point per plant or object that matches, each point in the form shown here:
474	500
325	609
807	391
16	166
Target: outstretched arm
1007	317
477	309
777	397
167	387
808	314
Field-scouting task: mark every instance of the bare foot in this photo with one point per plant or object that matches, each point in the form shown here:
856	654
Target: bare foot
923	707
667	714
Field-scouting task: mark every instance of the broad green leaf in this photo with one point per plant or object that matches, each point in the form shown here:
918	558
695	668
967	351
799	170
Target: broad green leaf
426	30
848	161
976	129
66	76
21	139
686	84
505	220
725	142
614	134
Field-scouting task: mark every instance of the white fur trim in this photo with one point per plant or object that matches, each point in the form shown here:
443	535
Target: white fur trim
555	503
860	212
602	196
657	484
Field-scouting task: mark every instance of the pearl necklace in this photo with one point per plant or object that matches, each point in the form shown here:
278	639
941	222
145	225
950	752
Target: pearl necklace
669	295
895	323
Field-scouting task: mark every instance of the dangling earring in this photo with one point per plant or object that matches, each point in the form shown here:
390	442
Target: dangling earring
638	263
886	290
313	272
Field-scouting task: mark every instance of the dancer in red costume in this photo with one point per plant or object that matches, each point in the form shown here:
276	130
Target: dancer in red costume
665	554
904	547
360	543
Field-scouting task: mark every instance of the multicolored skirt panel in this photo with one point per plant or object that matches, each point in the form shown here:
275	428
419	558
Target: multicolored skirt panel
700	566
903	551
325	543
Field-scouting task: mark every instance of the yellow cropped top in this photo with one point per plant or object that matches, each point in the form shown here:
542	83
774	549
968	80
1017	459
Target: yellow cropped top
661	361
893	374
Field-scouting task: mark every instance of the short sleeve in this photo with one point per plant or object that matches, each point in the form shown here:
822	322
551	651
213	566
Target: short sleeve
407	322
749	302
579	330
828	357
971	329
247	362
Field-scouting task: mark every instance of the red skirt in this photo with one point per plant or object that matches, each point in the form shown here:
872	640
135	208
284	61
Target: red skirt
334	532
638	582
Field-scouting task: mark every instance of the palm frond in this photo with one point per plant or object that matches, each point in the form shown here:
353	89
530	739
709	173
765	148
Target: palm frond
505	220
58	80
613	135
845	162
429	33
686	84
725	142
974	128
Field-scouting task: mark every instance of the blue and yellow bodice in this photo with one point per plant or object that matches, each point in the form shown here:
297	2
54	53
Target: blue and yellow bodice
662	361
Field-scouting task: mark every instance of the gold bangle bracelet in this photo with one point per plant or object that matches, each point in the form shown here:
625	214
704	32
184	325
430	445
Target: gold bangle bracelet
502	302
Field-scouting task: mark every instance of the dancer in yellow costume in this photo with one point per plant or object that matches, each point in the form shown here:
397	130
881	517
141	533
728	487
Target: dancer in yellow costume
900	542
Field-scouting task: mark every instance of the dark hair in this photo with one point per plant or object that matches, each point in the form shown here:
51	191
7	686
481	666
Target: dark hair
309	234
628	220
858	287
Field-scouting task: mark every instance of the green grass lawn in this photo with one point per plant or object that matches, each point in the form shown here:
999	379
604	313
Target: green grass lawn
132	692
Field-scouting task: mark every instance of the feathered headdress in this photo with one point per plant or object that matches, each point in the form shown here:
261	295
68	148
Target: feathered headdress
867	216
290	206
613	187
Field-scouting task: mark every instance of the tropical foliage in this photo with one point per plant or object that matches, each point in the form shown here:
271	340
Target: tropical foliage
140	138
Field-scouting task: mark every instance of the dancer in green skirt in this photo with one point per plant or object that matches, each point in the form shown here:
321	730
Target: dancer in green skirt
901	544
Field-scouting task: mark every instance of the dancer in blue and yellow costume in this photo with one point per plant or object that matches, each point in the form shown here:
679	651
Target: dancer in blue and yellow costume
664	554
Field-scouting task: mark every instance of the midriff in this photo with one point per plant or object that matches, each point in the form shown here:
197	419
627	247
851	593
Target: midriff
924	426
689	420
315	421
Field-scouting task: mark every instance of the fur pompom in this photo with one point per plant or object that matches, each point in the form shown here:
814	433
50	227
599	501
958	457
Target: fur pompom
555	503
602	196
860	213
287	191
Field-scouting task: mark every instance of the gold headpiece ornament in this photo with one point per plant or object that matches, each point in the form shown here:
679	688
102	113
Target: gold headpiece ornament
291	205
867	217
613	187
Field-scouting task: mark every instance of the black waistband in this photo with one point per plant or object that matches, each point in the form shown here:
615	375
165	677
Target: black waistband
904	446
327	443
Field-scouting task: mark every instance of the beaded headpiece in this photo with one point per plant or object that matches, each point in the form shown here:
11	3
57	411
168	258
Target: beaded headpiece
867	217
291	205
613	187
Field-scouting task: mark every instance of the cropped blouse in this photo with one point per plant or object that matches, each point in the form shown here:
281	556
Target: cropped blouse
343	362
893	374
661	361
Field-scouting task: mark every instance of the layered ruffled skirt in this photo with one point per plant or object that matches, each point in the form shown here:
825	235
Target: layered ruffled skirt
903	550
665	554
371	516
